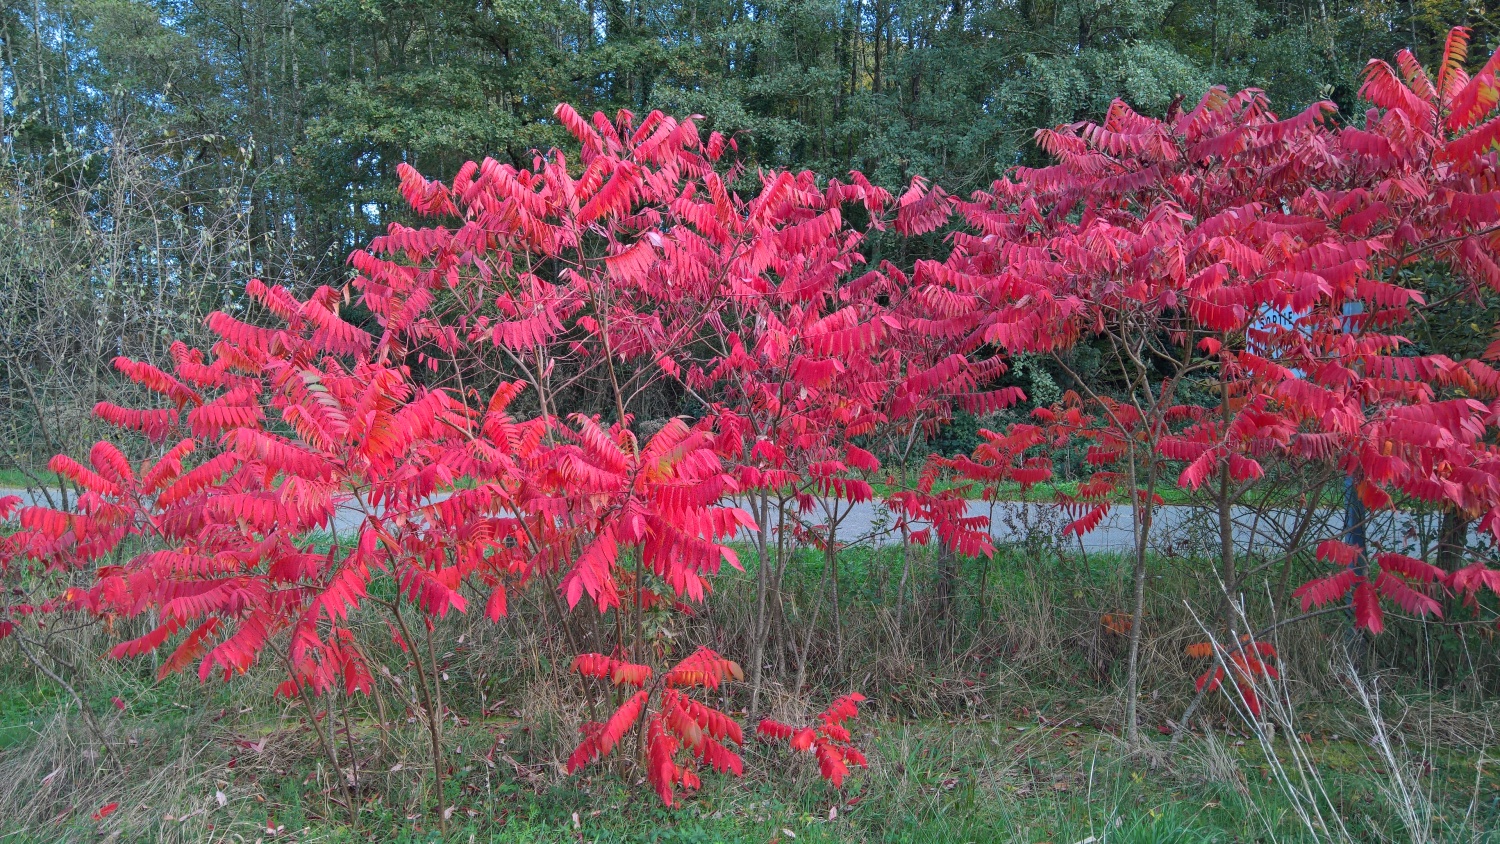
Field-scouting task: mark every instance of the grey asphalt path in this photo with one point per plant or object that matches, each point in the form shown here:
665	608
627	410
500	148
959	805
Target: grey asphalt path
1176	529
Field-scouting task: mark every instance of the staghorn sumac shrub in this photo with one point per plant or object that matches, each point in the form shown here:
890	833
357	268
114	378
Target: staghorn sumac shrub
1223	250
1246	664
827	738
675	723
555	285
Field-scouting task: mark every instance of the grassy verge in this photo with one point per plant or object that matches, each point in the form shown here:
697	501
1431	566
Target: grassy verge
993	717
194	773
16	479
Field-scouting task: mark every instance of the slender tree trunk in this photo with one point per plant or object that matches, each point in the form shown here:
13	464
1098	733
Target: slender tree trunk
1355	516
353	789
1227	575
1226	554
778	620
1453	539
807	638
1309	511
901	586
946	577
434	719
1145	510
330	748
83	708
833	593
762	578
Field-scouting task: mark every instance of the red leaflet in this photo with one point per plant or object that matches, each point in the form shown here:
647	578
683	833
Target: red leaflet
775	729
661	769
624	718
158	381
718	725
842	709
616	671
860	459
1367	612
1338	553
921	210
190	650
156	424
704	668
1088	521
802	739
1317	593
1405	596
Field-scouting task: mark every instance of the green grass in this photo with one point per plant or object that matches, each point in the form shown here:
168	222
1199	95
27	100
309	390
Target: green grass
1000	779
1009	491
16	479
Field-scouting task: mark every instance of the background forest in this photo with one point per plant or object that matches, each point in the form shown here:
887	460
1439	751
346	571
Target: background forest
157	154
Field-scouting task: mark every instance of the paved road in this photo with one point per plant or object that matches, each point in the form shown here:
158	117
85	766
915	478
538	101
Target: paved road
1175	529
